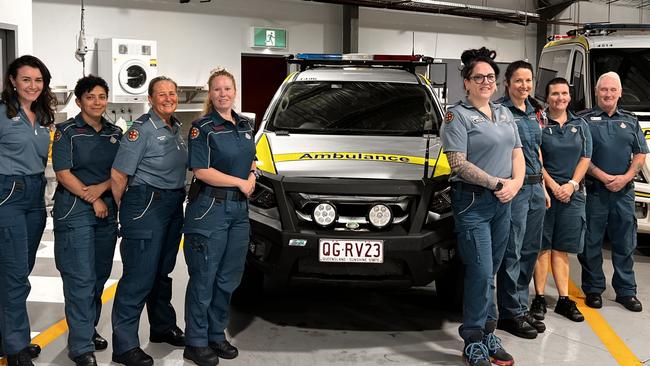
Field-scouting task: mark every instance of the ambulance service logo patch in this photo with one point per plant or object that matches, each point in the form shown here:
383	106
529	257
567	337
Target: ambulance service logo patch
57	135
132	135
194	133
449	117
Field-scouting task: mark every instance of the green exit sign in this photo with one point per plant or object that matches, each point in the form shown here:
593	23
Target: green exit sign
269	37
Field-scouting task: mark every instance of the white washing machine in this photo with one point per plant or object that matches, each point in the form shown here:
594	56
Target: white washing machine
127	65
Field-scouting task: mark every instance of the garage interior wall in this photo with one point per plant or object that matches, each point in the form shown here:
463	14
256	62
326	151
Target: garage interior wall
192	38
18	14
440	36
585	12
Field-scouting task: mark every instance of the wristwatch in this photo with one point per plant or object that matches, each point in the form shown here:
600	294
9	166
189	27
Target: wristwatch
575	185
499	186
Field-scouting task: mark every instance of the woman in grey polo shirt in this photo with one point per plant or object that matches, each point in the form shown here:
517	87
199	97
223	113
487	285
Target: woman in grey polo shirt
484	151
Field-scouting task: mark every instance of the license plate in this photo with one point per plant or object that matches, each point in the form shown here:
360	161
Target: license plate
351	251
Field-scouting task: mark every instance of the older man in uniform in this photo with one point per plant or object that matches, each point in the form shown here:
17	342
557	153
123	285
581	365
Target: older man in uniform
618	154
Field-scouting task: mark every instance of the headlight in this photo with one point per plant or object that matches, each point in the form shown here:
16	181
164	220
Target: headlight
263	197
380	216
640	178
441	201
324	214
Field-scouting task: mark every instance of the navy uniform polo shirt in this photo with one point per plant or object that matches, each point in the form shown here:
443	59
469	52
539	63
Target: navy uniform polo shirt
530	134
487	144
23	147
222	145
88	154
615	139
152	153
562	147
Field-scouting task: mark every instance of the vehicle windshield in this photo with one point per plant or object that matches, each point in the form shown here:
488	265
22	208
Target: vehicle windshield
632	65
355	108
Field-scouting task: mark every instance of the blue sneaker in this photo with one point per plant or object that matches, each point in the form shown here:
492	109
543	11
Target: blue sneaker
476	354
497	354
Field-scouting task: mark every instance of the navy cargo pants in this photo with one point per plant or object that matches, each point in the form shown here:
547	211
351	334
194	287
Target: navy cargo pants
614	212
217	233
525	241
22	221
84	246
151	220
482	225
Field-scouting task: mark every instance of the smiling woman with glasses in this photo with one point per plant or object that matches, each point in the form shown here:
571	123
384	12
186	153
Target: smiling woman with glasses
483	147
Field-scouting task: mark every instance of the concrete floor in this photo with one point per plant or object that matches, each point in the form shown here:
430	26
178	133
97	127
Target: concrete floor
351	327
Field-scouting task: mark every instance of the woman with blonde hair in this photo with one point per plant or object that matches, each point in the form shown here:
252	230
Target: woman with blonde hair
221	155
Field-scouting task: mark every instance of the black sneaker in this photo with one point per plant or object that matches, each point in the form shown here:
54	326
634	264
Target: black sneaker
517	326
497	354
539	326
202	356
567	308
476	354
538	307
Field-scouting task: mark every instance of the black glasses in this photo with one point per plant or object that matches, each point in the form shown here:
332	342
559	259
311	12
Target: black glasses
479	79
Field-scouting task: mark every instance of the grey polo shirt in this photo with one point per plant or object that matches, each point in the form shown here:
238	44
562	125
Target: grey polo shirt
487	144
152	153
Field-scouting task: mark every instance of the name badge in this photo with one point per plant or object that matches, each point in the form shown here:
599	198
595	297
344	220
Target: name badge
476	119
596	118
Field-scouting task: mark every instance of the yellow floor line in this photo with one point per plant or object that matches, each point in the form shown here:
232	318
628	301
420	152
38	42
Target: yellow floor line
59	328
619	350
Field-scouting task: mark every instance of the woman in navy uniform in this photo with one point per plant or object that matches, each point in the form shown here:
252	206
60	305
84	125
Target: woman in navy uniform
528	208
85	214
566	152
151	162
482	145
217	230
26	113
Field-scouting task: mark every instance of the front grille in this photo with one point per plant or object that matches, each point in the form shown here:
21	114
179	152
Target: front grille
352	211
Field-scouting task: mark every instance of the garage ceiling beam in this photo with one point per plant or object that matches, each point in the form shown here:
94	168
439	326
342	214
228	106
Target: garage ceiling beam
350	29
447	8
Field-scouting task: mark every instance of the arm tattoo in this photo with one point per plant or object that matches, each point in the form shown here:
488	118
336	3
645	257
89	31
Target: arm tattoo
470	172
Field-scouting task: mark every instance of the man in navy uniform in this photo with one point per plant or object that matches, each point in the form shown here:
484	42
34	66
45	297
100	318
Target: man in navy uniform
619	150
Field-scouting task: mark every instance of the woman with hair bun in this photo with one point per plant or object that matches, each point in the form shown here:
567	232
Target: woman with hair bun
483	147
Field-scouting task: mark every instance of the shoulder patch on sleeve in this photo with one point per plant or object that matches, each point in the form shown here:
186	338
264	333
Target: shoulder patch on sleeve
449	117
57	135
132	134
194	133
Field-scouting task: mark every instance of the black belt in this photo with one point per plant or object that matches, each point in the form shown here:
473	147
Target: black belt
61	189
222	194
533	179
467	187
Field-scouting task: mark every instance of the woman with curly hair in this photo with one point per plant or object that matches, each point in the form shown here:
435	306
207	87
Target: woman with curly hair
483	147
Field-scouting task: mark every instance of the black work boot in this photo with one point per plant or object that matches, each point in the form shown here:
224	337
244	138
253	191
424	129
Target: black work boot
202	356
